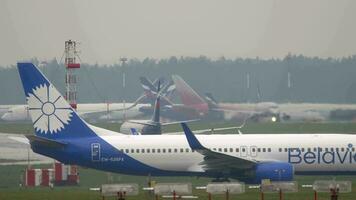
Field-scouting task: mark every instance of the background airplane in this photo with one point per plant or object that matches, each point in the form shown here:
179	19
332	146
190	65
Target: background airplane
169	109
5	108
152	126
211	109
195	107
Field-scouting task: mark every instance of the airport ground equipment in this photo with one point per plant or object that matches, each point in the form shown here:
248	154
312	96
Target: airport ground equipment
59	175
65	174
173	190
331	186
119	190
38	177
225	188
278	187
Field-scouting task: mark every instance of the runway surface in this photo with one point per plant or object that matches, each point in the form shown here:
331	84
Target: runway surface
17	153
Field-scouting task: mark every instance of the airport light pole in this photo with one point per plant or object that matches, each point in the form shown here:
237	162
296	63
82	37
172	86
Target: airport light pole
123	62
289	81
248	86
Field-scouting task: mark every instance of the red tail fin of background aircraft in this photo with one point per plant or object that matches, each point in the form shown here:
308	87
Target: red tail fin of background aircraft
188	96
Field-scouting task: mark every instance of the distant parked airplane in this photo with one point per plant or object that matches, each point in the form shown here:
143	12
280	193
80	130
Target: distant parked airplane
5	108
170	110
152	126
212	109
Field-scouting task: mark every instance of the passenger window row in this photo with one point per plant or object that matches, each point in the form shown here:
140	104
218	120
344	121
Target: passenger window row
187	150
316	149
181	150
237	150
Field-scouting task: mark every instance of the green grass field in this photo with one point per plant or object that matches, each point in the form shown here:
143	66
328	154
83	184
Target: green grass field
10	176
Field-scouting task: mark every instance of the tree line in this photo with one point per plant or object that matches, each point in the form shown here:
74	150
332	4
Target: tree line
310	79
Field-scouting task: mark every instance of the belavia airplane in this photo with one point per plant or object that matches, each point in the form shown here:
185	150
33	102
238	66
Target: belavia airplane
62	135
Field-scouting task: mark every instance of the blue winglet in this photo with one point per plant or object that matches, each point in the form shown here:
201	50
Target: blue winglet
134	131
192	140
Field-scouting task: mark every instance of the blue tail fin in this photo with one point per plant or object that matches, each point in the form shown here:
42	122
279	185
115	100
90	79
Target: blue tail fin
52	116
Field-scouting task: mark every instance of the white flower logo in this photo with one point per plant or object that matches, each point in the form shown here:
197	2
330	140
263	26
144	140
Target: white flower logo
48	109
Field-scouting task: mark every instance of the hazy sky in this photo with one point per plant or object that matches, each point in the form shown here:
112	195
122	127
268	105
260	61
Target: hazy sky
109	30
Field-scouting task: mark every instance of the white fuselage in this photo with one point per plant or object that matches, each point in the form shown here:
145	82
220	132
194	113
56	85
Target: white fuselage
312	111
103	111
317	152
4	109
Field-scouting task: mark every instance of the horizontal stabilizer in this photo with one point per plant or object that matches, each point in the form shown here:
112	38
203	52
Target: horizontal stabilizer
179	122
44	141
23	140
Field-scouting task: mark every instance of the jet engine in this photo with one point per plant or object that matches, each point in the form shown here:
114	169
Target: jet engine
138	128
274	171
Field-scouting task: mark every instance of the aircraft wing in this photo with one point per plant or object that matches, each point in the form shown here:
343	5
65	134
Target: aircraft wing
208	131
22	139
211	130
142	122
215	161
45	141
179	122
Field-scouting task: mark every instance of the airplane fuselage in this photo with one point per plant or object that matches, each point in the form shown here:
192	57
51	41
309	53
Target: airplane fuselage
171	154
307	152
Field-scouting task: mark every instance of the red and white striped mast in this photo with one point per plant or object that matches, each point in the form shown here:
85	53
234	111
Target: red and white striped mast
71	64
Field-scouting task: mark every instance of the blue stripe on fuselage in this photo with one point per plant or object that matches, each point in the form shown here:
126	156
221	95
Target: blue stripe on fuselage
79	152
